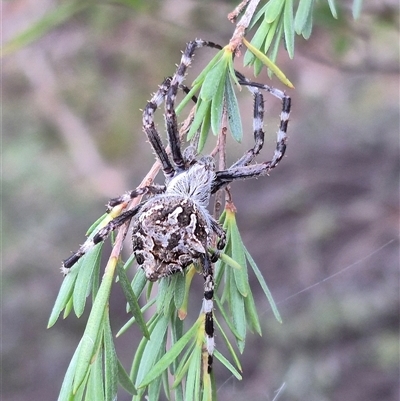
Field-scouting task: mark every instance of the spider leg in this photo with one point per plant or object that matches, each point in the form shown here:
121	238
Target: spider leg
100	236
176	83
208	308
242	168
128	196
258	132
151	131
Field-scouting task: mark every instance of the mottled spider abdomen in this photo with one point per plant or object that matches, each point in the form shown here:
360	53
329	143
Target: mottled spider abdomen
170	233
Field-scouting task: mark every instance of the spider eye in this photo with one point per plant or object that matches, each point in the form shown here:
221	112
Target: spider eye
139	258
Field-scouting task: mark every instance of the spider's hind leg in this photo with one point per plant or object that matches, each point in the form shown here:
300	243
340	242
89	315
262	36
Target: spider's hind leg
208	308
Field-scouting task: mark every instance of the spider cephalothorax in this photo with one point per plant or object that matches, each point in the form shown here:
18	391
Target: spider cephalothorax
172	228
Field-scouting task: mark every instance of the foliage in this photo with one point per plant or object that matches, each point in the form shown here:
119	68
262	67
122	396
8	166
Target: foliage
95	369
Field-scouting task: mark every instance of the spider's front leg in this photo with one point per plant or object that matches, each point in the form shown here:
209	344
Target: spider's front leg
100	236
127	197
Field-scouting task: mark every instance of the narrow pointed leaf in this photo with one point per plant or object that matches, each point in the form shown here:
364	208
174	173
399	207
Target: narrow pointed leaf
273	10
227	364
213	79
83	286
171	355
152	351
124	379
303	11
132	320
232	109
332	7
264	286
137	360
201	110
95	384
64	295
251	313
110	364
288	24
236	304
272	66
200	78
229	345
193	377
132	301
356	8
93	330
257	41
217	106
227	319
66	387
205	129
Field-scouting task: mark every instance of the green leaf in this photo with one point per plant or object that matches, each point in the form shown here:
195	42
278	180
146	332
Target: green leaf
264	286
179	290
95	384
303	11
332	7
273	10
356	8
232	109
154	388
228	344
227	364
66	388
132	320
152	351
251	313
187	98
124	379
64	295
236	304
99	223
289	27
272	66
260	13
201	110
241	278
257	41
138	358
270	36
193	376
205	129
306	33
226	318
89	264
110	363
132	301
200	78
138	283
93	330
217	106
183	366
213	80
56	17
171	355
274	52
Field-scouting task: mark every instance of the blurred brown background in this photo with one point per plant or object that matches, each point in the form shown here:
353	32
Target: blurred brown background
323	228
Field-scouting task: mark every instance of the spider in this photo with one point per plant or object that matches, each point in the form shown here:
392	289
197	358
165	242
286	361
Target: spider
173	228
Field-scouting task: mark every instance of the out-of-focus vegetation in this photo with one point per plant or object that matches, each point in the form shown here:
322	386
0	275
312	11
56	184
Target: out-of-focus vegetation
72	139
